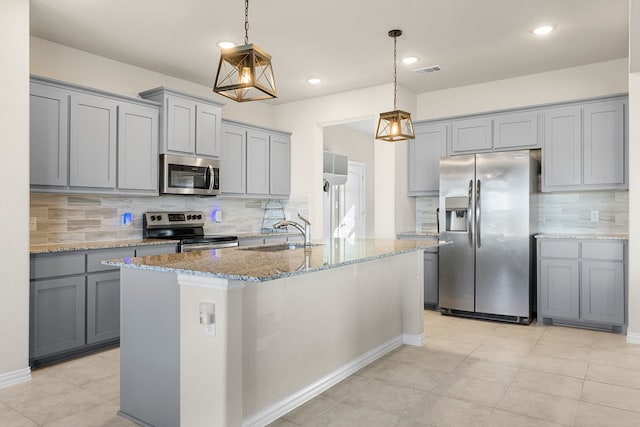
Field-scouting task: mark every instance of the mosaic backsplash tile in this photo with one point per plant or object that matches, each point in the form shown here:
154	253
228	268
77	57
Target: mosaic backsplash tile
66	219
557	212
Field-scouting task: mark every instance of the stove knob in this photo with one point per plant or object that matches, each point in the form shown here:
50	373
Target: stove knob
188	216
158	217
199	216
153	217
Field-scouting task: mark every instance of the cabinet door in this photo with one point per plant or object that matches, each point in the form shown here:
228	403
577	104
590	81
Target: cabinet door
103	306
48	127
516	131
233	161
471	135
181	125
559	287
92	141
604	145
279	165
602	292
562	149
424	154
208	124
137	148
430	279
257	162
57	315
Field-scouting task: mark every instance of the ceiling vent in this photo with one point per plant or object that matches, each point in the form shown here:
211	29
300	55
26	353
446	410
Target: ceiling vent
428	70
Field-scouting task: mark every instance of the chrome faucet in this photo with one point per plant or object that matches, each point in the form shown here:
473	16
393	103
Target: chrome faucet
306	231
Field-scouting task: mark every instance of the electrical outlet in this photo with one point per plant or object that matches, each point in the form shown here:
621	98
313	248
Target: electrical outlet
32	223
595	216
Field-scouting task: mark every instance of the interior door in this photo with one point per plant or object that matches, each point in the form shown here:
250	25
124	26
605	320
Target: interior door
353	221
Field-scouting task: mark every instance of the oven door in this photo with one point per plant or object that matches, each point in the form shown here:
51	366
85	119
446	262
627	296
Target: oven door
189	175
191	247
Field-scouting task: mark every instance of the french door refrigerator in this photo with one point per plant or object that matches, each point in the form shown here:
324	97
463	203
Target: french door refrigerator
488	271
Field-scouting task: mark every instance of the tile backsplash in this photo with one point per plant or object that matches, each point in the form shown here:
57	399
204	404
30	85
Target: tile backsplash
557	212
71	218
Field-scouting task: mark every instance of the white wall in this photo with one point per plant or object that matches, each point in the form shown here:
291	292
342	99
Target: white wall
61	62
634	179
14	252
306	119
603	78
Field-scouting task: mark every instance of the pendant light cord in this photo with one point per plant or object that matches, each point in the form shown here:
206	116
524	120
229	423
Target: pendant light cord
246	22
395	72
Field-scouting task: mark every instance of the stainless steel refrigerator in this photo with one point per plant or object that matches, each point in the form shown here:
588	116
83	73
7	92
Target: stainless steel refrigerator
488	271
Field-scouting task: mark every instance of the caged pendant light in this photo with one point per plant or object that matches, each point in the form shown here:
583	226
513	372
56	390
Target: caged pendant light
396	125
245	72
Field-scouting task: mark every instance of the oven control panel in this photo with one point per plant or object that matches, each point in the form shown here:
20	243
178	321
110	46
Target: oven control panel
164	219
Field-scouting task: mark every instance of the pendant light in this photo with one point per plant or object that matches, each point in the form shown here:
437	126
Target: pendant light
396	125
245	72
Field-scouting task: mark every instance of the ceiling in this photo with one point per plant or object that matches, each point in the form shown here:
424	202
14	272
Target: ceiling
343	42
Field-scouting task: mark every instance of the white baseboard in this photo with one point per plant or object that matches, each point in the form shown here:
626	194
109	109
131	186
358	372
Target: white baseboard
414	340
277	410
633	337
15	377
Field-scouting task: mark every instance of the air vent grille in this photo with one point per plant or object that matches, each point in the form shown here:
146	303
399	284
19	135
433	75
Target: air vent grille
428	70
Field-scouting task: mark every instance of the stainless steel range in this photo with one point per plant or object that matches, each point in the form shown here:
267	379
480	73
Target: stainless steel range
187	227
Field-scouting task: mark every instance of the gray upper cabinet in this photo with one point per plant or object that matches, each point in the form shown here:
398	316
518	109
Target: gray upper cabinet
562	150
88	141
604	145
471	135
233	173
48	124
189	125
92	136
255	162
137	148
424	154
516	131
279	165
585	147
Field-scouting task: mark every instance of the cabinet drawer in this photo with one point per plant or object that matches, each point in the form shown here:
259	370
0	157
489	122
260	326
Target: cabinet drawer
56	265
559	249
95	258
603	250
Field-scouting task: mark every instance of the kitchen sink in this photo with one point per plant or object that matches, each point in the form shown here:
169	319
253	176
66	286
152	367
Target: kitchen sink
278	247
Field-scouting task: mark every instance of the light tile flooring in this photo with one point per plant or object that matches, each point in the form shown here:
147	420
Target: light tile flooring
470	373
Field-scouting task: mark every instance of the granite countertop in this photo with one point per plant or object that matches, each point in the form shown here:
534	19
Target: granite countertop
582	236
109	244
416	234
260	266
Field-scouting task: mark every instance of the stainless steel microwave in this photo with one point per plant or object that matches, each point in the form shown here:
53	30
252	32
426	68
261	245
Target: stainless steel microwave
189	175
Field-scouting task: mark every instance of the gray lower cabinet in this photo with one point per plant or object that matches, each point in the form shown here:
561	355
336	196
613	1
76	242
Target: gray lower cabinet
57	315
103	306
88	141
256	162
430	279
75	301
582	283
585	147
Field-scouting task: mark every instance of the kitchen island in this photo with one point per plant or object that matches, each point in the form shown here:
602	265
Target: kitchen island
289	322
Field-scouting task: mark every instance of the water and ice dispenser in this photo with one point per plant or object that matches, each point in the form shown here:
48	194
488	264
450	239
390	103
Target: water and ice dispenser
456	211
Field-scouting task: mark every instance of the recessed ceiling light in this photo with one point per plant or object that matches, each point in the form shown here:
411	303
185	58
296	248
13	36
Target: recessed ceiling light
313	81
409	60
543	30
226	45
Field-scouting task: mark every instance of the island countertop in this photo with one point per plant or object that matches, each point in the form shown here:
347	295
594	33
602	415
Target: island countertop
258	266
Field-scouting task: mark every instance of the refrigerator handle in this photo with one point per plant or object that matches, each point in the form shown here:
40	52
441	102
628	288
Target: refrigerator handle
469	207
478	210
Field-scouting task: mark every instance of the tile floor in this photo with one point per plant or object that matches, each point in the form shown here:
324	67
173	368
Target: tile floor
470	373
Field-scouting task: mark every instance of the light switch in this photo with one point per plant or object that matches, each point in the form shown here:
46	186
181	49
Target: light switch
595	216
